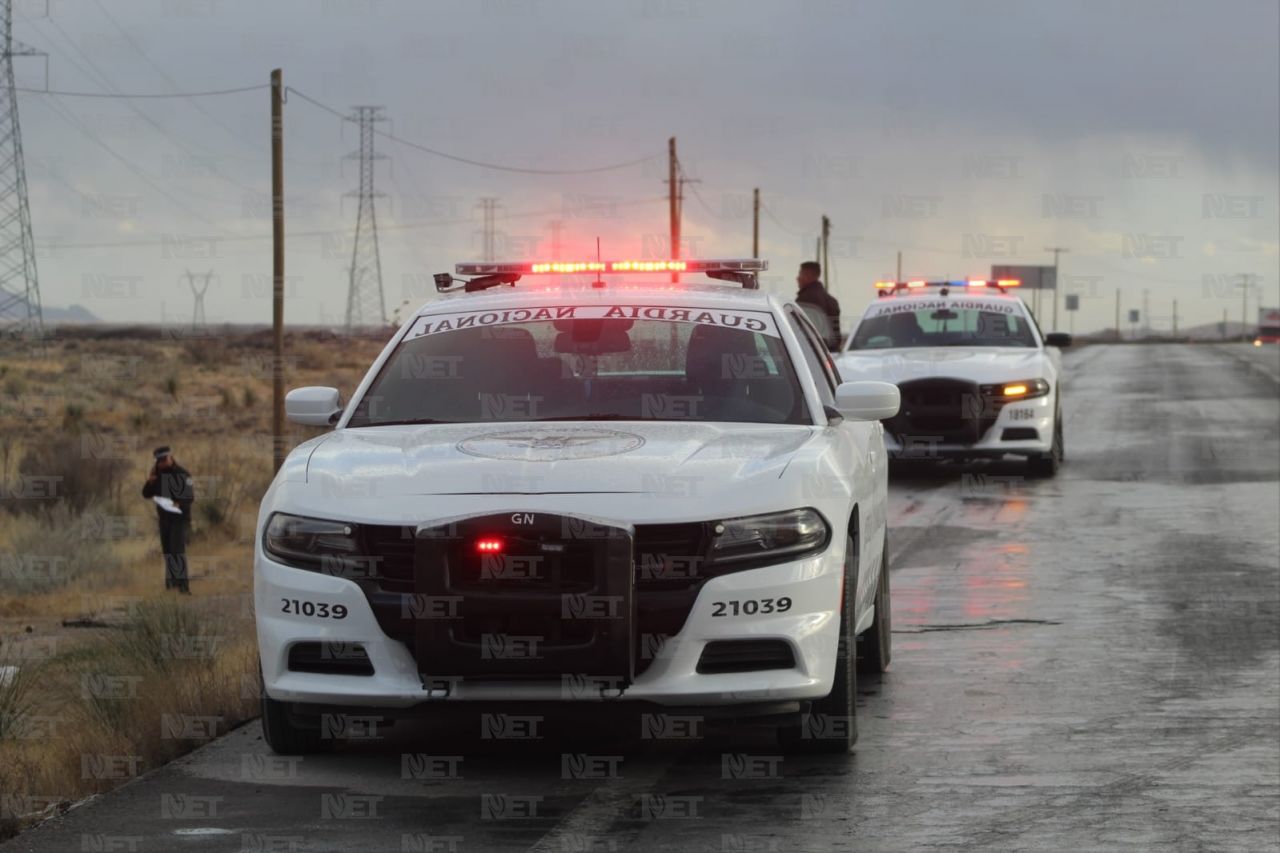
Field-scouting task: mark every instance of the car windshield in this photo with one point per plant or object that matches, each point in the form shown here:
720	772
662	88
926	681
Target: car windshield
596	362
942	323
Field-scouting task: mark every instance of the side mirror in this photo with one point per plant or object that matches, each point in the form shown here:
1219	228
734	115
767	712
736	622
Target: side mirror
313	405
867	400
1057	339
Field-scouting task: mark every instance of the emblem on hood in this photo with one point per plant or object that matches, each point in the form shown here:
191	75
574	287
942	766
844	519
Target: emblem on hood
551	444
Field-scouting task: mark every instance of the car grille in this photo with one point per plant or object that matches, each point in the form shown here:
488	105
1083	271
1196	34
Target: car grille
667	564
942	411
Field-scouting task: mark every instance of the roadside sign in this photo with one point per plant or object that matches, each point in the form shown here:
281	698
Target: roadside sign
1032	277
1073	302
1133	315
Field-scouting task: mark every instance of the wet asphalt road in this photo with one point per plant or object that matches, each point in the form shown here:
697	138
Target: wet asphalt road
1086	663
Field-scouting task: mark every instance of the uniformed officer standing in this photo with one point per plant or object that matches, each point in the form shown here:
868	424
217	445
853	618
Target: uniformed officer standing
172	483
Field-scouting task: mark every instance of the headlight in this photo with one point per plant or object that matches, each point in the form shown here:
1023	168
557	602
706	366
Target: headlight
311	543
1019	389
765	539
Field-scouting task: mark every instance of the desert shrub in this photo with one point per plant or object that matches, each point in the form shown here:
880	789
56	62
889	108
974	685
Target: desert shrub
73	417
249	398
17	678
171	385
82	479
50	548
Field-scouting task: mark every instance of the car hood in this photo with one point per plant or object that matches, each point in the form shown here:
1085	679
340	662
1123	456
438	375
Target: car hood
551	458
976	364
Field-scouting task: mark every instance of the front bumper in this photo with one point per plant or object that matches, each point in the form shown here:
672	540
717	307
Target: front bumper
809	627
1010	432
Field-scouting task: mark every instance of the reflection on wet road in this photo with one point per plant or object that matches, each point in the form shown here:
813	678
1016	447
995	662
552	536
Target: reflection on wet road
1089	662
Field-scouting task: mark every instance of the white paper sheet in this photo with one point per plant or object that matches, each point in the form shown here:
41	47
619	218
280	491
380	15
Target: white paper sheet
166	504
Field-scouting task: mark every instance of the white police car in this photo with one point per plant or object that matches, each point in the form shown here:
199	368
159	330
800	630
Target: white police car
977	376
582	489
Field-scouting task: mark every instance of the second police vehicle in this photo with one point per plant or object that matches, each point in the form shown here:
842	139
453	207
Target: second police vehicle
977	376
559	483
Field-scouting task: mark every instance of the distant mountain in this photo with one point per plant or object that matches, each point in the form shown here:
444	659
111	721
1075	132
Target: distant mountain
54	316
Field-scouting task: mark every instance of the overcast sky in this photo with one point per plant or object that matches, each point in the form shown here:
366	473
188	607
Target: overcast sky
1141	135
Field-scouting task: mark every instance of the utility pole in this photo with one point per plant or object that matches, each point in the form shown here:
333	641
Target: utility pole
555	226
826	247
20	311
198	319
1246	280
1056	250
755	223
1118	314
488	209
1223	330
1146	313
673	201
1175	318
365	302
277	267
899	273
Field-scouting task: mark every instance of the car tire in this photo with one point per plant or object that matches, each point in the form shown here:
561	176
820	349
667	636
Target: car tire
284	736
874	644
1047	464
829	725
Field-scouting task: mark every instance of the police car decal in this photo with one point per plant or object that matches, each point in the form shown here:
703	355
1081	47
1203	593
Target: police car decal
751	321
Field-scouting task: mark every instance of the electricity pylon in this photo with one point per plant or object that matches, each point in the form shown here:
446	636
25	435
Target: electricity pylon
198	320
19	286
365	304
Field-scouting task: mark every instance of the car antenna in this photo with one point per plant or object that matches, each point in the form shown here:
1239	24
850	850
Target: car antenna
599	282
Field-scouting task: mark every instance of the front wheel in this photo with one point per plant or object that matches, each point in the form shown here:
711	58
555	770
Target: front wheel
285	737
1047	464
830	724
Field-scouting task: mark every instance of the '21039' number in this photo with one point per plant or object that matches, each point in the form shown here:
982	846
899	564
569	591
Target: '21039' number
313	608
750	606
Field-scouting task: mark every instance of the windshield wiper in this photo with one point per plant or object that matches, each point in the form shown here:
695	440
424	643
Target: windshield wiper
407	422
600	416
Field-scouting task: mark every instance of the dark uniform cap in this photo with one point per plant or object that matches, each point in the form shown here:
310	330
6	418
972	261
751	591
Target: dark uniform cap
161	452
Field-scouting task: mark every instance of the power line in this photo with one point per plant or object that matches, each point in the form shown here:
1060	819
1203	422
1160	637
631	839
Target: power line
143	176
247	238
480	163
136	110
208	93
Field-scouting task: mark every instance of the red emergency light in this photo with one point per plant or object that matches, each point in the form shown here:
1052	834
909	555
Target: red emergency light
489	545
624	266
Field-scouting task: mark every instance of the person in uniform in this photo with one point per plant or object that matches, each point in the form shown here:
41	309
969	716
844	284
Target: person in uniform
813	292
170	483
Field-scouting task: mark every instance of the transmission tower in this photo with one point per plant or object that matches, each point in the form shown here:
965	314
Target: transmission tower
365	305
198	320
19	287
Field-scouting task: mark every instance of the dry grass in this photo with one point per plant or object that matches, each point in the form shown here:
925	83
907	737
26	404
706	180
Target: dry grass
77	541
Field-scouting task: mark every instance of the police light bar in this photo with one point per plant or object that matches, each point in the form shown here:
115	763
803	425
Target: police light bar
917	284
636	266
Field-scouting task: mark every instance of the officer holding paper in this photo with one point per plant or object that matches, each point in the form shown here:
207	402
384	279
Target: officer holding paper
171	487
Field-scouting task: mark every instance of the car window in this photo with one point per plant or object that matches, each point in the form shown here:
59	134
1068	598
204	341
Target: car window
816	357
912	322
596	362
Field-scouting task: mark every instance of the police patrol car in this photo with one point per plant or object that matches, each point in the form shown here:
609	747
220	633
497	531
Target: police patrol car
558	484
977	376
